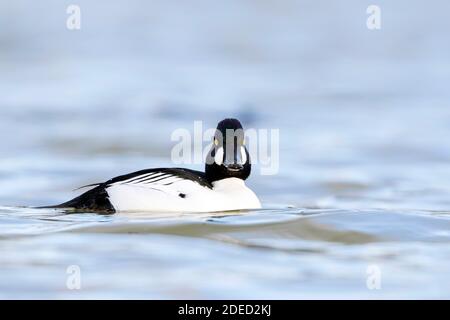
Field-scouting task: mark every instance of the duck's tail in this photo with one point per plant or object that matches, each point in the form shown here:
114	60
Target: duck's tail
94	200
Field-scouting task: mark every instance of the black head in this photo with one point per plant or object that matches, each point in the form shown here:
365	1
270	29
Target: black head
228	157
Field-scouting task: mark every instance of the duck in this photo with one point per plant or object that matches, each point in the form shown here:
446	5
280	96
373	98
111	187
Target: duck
221	187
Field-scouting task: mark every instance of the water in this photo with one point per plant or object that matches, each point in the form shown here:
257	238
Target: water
364	167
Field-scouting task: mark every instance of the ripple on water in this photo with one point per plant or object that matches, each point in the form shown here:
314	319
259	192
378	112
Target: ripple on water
294	252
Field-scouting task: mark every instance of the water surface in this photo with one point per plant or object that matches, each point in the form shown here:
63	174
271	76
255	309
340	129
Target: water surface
364	172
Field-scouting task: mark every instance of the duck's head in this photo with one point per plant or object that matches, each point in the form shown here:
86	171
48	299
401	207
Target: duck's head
228	157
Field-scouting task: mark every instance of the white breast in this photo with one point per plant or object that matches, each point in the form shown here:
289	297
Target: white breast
181	195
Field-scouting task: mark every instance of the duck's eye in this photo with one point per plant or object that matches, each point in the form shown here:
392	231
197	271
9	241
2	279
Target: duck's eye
216	142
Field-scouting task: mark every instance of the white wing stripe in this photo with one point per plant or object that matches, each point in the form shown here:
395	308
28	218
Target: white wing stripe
157	179
149	178
131	180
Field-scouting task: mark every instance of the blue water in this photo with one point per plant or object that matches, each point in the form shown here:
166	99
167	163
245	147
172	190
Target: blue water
364	147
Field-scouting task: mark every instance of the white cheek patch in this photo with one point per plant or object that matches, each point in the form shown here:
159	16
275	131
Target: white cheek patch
218	158
243	155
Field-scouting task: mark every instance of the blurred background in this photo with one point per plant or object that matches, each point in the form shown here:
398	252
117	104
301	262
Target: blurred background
363	114
104	99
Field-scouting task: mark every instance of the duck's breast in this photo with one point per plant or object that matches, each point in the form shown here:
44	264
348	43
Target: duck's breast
181	195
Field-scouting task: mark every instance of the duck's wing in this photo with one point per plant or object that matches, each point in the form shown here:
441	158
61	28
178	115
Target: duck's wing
160	189
160	176
98	200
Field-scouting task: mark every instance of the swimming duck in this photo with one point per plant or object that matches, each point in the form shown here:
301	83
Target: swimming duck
220	188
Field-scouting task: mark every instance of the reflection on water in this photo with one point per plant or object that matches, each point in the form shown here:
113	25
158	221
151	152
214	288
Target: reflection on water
364	154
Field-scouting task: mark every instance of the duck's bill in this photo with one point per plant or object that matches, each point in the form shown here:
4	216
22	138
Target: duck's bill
234	167
236	162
